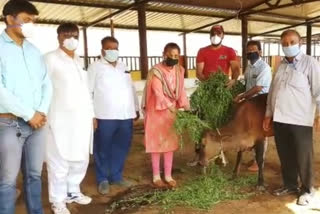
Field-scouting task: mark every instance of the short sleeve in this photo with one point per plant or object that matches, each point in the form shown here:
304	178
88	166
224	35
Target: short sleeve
232	55
200	56
265	77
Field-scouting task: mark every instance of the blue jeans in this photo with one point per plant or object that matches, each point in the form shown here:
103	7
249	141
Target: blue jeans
20	146
111	146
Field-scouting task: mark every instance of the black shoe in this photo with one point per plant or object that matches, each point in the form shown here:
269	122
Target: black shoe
285	191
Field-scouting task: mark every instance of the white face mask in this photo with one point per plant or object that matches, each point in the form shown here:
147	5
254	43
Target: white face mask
216	40
71	44
27	29
292	50
111	55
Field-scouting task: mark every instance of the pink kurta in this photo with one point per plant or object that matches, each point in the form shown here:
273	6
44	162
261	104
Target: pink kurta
160	135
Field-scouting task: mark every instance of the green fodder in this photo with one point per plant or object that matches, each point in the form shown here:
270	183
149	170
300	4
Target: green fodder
200	193
206	191
211	107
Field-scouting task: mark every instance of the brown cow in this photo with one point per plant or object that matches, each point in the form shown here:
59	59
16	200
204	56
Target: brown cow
247	132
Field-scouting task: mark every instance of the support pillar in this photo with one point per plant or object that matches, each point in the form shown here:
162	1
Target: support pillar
185	57
85	45
143	40
111	27
309	38
244	34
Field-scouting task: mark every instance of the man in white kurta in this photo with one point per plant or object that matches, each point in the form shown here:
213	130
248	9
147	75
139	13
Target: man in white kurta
70	123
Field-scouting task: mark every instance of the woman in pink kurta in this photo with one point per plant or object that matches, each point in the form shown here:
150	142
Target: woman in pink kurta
164	94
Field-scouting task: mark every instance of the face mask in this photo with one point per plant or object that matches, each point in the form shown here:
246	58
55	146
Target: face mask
27	29
253	57
291	51
216	40
171	62
71	44
111	55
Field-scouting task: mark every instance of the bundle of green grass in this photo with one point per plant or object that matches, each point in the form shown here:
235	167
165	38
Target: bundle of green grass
211	107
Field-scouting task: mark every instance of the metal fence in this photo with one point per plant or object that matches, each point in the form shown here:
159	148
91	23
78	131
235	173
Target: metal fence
133	62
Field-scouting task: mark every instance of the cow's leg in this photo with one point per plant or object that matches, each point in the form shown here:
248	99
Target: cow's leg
237	166
260	153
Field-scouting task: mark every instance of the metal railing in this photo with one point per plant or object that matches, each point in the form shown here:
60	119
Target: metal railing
133	62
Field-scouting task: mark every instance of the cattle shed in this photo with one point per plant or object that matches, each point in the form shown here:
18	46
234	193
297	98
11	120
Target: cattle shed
263	19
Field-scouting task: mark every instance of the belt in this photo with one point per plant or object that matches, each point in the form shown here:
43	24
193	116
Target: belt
8	116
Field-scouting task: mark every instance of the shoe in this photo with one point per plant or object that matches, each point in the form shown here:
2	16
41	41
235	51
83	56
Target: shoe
60	208
305	198
253	167
123	183
104	187
172	183
285	191
79	198
159	183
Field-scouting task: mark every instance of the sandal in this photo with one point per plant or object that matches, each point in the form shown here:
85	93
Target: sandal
159	184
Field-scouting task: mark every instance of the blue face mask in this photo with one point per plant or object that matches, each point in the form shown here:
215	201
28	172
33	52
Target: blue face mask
291	51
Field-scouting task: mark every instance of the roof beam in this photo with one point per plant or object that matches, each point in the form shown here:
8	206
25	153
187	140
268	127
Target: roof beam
250	12
79	4
133	5
311	20
226	19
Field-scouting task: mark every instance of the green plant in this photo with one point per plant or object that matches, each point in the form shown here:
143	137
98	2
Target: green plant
211	106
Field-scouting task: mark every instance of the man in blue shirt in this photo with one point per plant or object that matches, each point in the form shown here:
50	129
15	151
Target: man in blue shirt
25	94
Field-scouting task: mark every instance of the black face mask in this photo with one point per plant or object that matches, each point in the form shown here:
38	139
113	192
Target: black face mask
253	57
171	62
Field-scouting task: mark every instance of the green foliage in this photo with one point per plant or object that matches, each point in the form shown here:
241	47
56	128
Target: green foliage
186	121
211	103
198	193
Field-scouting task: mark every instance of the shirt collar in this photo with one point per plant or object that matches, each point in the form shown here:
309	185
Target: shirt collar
64	54
296	58
258	62
6	37
104	61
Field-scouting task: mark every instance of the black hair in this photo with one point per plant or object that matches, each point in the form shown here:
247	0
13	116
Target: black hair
171	45
67	28
109	39
14	7
254	42
286	32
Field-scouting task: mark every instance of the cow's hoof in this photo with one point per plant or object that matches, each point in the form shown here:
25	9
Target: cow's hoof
193	163
204	170
261	188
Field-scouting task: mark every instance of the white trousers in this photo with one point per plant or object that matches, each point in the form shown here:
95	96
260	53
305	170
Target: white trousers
63	176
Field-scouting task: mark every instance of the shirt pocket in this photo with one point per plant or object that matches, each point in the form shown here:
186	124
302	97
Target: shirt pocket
298	80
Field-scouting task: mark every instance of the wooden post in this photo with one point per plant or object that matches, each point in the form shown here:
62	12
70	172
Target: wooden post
85	41
185	57
244	33
111	27
309	38
143	40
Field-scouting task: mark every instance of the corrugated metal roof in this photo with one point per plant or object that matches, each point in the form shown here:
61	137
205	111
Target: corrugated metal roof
181	15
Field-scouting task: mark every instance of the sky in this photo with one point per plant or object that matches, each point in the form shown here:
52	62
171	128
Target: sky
45	39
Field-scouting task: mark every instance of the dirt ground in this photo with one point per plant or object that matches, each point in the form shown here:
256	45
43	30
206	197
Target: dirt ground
138	170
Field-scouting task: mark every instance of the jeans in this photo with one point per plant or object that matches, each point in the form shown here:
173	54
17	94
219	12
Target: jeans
20	147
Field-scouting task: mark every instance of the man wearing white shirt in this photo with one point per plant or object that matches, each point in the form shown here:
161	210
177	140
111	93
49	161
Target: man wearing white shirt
293	98
116	105
70	122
